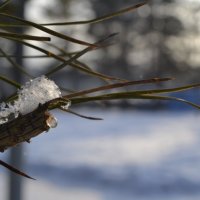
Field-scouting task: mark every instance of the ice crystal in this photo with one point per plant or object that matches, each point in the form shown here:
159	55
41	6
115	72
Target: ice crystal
51	122
37	91
67	105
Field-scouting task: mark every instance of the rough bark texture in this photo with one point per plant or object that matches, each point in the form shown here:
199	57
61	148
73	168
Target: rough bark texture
24	128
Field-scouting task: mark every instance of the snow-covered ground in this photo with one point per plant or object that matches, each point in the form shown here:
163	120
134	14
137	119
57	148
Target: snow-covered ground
129	155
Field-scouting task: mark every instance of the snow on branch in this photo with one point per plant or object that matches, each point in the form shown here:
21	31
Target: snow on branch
35	92
28	116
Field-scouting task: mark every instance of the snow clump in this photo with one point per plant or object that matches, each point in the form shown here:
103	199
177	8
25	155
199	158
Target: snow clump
37	91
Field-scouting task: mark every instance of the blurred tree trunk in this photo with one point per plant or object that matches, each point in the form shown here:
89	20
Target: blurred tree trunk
16	159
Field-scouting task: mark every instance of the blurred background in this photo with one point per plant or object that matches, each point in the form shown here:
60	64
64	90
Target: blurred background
144	150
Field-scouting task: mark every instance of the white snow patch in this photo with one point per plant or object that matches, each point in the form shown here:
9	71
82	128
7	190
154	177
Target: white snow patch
37	91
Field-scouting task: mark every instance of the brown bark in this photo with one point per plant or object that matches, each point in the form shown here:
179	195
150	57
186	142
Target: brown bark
24	128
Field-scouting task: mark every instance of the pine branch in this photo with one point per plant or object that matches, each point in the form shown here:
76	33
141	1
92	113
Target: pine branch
23	128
